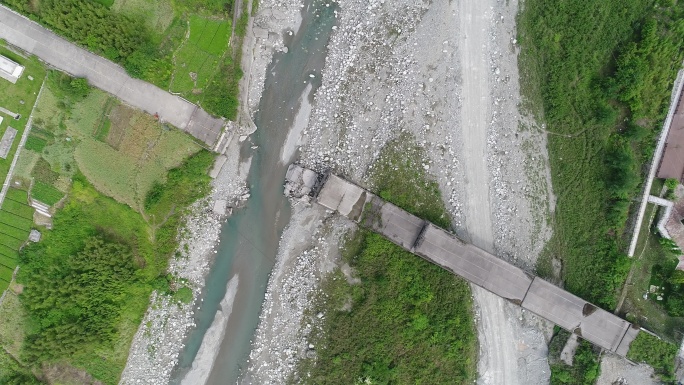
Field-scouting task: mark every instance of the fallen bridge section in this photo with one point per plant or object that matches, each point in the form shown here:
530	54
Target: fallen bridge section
442	248
108	76
578	316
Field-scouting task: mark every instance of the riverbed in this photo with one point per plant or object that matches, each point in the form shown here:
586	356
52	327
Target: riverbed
249	239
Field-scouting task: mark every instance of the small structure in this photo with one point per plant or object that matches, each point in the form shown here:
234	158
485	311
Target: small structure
672	161
10	70
6	142
34	236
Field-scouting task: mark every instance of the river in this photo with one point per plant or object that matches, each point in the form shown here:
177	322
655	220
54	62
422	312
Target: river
249	239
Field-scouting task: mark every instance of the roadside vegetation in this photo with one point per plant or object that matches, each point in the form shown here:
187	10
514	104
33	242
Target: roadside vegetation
655	352
82	291
182	47
405	320
585	366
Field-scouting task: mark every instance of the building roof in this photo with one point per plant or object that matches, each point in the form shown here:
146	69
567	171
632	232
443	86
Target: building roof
672	162
10	70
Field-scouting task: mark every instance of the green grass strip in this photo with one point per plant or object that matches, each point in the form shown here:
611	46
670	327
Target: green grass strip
17	195
20	209
8	262
10	241
6	273
46	193
4	250
3	285
13	231
15	220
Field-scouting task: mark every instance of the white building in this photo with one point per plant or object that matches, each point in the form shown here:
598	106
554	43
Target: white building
10	70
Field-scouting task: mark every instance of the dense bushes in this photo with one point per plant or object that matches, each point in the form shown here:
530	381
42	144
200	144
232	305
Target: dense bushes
655	352
116	36
585	367
222	93
165	202
601	73
74	299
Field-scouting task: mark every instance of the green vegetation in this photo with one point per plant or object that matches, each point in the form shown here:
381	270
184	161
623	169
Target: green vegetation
46	193
95	132
588	64
197	61
585	367
103	257
87	282
149	39
16	218
655	352
406	320
18	98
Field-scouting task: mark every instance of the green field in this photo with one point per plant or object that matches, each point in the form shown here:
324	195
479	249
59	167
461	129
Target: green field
576	62
198	58
141	148
16	219
82	136
46	193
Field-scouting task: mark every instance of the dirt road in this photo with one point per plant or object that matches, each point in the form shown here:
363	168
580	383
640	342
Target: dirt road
498	363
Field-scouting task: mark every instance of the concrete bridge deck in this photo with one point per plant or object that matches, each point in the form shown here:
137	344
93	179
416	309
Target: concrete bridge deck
436	245
108	76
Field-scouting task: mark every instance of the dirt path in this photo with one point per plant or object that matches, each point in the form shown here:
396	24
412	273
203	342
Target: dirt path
498	361
475	18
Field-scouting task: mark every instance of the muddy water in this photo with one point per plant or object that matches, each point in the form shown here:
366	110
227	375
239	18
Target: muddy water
249	239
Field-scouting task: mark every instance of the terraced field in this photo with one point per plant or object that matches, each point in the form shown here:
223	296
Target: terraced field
16	218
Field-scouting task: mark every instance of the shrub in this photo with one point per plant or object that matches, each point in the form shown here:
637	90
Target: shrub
183	295
658	353
671	183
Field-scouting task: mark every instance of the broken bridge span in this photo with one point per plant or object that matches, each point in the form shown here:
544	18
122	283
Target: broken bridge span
477	266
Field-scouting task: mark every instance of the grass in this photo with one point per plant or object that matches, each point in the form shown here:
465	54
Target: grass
143	152
46	193
158	15
89	212
406	321
140	147
7	261
15	220
650	313
655	352
35	143
17	208
575	58
12	96
198	59
585	364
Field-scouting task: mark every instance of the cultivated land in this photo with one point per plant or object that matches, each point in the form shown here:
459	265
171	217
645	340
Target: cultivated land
15	214
89	147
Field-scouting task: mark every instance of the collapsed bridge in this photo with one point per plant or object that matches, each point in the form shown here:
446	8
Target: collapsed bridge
442	248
